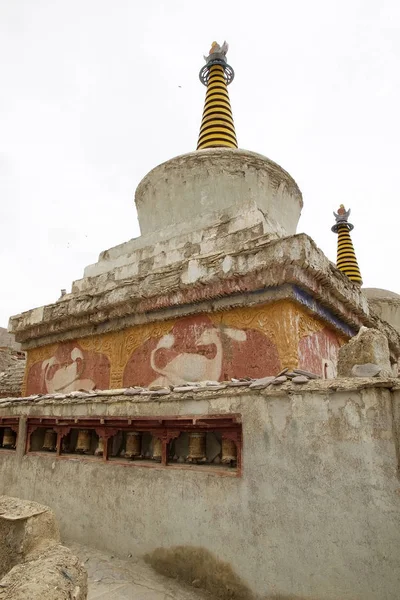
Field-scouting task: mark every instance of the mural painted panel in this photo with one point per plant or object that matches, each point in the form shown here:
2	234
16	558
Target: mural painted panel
319	353
253	341
69	369
196	349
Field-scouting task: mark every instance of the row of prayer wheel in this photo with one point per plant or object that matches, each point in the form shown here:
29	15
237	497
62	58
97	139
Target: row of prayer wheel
84	442
133	445
197	449
9	438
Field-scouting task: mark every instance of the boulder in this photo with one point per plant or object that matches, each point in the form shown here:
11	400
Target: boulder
369	346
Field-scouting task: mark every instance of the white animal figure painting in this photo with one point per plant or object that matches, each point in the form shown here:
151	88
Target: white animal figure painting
66	377
192	366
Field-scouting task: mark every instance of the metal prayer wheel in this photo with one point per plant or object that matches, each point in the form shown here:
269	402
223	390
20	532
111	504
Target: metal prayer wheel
157	448
229	451
197	447
8	438
100	447
133	444
50	440
84	440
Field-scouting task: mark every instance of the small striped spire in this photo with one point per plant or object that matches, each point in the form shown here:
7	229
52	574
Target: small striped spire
346	257
217	128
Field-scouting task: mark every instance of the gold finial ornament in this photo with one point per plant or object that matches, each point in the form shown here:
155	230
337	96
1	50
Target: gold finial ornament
217	127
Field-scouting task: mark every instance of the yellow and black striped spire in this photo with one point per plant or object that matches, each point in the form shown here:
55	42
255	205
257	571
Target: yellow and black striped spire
217	128
346	257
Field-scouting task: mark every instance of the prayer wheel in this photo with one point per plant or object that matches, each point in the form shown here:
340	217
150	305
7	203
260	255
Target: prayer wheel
229	451
8	438
100	447
133	444
84	439
197	447
50	440
157	448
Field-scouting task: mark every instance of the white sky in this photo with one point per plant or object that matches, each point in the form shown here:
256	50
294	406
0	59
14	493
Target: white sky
90	102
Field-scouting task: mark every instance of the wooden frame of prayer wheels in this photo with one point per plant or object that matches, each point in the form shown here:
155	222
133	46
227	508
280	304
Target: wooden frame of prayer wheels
100	447
135	439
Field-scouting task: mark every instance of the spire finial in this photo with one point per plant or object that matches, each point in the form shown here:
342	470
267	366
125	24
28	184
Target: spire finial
217	128
346	257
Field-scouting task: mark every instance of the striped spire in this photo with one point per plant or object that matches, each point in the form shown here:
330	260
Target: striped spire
217	128
346	257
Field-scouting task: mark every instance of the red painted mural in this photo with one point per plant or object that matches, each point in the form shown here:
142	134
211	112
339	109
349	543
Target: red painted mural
70	369
318	353
197	350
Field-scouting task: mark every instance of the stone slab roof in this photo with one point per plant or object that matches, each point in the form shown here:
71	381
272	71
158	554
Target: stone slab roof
250	272
269	386
12	378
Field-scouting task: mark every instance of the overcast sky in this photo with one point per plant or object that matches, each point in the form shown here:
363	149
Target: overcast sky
95	93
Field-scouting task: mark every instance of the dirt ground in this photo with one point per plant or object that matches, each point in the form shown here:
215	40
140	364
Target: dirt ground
112	578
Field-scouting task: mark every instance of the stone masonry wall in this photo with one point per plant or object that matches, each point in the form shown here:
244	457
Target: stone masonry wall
315	512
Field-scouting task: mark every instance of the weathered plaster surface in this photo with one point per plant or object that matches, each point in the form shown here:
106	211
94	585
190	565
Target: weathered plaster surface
228	231
315	514
207	182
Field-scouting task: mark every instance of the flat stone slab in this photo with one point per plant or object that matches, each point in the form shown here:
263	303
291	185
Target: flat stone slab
308	374
366	370
262	383
280	379
14	509
300	379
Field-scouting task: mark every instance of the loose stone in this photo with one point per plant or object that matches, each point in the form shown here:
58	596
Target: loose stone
262	383
133	391
300	379
308	374
280	379
366	370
